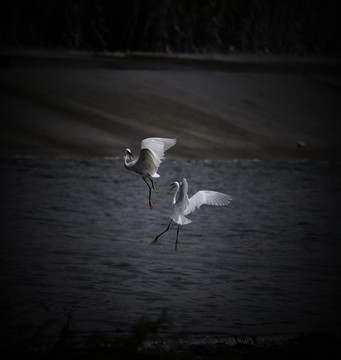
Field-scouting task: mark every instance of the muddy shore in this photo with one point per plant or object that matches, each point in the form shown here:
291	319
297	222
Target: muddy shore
81	105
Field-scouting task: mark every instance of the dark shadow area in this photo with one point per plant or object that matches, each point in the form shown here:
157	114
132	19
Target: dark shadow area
299	27
157	339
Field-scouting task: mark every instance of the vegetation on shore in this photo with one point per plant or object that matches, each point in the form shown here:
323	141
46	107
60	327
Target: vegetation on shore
155	339
296	27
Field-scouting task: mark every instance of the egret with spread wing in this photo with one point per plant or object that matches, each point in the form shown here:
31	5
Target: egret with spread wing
151	155
183	206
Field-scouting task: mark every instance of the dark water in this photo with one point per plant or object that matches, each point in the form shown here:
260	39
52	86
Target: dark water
76	235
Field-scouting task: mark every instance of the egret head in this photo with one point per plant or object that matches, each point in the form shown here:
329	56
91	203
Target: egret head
173	185
129	153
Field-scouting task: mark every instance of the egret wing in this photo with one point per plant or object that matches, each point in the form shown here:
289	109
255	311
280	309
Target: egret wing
207	197
146	163
158	145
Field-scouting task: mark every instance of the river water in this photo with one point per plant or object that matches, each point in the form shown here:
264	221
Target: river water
76	238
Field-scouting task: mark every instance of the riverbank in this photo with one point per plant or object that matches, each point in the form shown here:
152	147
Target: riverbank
98	346
242	107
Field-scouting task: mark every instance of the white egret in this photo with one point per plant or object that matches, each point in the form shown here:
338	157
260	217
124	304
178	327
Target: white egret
151	155
183	206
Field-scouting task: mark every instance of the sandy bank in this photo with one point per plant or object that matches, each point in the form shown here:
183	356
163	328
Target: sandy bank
97	106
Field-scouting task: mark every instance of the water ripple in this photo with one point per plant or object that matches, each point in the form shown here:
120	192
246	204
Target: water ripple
267	263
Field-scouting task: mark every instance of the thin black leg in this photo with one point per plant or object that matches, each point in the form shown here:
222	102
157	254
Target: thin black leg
150	193
177	235
155	240
154	188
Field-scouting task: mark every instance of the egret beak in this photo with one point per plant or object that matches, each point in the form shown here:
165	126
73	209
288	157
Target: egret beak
172	187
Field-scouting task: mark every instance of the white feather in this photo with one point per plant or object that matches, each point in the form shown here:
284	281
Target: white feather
158	146
207	197
180	204
183	206
151	155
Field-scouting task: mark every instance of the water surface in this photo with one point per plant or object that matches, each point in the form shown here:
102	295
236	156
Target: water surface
77	233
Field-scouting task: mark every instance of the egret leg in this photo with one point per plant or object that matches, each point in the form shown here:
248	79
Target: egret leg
150	193
154	188
155	240
176	241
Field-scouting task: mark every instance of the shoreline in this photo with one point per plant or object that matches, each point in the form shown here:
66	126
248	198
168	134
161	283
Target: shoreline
233	62
136	345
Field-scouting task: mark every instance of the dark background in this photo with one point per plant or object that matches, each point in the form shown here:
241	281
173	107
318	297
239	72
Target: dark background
254	113
296	27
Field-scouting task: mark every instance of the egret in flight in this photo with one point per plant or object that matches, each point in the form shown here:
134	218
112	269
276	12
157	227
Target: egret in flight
183	206
151	155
